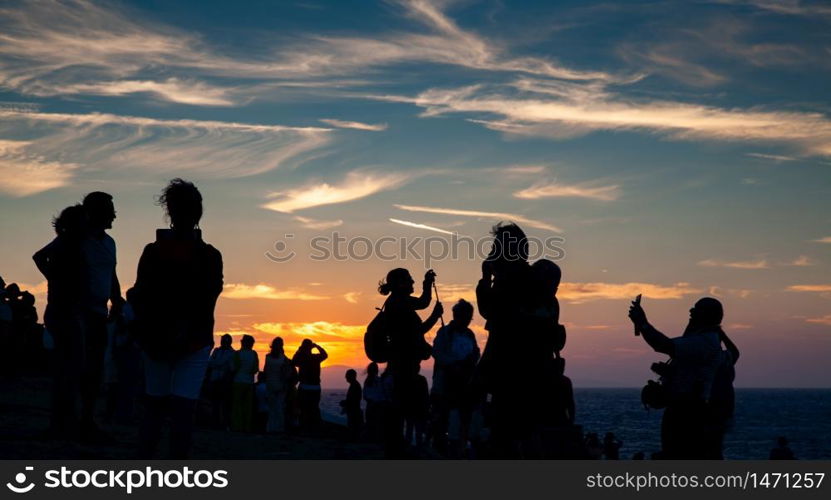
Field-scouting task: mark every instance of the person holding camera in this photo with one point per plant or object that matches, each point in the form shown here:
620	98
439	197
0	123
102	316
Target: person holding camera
408	348
689	429
307	362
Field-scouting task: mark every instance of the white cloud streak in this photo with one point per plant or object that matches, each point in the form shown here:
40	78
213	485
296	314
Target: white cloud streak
420	226
519	219
777	158
355	125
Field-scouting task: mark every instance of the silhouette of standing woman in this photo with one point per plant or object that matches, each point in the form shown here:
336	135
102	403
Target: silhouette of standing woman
60	263
515	357
407	346
178	281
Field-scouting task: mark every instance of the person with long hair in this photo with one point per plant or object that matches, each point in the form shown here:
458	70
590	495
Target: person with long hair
178	281
60	262
514	359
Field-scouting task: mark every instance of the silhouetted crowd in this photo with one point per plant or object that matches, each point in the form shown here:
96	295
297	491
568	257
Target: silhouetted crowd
20	333
152	353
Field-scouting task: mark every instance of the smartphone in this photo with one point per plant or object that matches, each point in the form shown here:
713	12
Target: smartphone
638	302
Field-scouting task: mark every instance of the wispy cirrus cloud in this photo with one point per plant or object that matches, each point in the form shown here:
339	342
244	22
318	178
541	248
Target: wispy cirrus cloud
554	189
583	292
737	264
56	147
356	185
563	110
172	89
826	239
497	216
695	56
242	291
100	49
787	7
665	59
379	127
24	173
108	49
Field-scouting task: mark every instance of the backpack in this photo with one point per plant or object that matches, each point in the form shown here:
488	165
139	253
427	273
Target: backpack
377	342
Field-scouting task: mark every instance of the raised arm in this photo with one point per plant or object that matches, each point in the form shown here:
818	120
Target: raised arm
484	292
656	340
322	354
423	302
430	322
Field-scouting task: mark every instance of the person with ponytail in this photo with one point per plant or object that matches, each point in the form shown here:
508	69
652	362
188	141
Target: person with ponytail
407	345
689	429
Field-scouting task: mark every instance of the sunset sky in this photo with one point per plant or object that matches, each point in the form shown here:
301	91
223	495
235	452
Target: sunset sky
680	149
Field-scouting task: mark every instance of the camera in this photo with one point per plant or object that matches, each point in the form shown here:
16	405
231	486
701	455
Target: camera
662	368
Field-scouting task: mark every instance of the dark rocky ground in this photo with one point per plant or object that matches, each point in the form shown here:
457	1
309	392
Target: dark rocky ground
24	418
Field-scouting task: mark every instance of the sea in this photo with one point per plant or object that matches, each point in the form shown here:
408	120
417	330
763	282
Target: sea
803	416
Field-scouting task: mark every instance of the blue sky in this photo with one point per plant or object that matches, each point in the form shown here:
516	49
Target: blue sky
681	148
